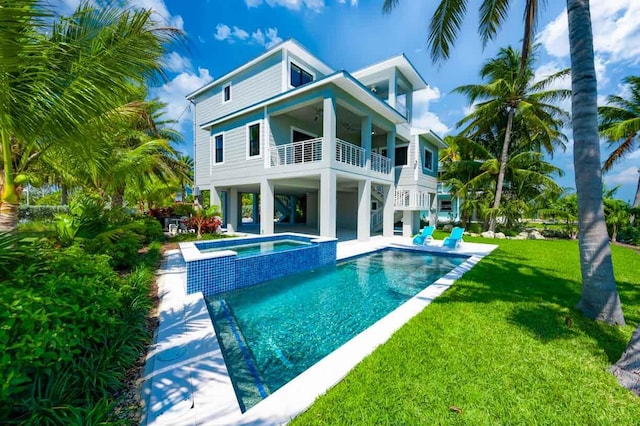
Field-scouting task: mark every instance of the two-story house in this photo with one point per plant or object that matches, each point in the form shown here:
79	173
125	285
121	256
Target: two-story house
331	149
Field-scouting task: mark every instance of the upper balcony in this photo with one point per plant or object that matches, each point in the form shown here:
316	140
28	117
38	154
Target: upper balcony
346	154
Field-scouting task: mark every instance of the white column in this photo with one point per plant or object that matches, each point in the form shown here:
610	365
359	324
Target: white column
393	83
233	204
391	150
328	203
365	140
215	198
364	210
266	207
328	131
388	212
408	223
266	139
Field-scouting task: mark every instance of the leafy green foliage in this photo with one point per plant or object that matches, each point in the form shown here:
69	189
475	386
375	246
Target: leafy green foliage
70	329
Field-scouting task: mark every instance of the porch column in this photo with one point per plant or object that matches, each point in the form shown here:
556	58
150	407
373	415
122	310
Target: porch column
234	202
215	199
365	140
391	151
433	209
393	83
410	223
327	205
364	210
328	131
266	207
388	212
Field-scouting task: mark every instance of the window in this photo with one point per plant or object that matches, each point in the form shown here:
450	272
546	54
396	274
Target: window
428	159
445	205
402	155
253	136
299	76
218	146
226	93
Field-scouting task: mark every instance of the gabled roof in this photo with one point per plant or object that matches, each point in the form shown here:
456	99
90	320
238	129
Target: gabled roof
290	45
431	136
402	63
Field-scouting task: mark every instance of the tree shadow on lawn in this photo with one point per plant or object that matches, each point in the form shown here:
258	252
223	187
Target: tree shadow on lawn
546	297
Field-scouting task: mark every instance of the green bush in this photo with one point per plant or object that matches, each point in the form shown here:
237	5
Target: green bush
40	213
152	230
71	328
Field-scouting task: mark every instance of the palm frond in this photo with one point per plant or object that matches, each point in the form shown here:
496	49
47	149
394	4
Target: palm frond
445	26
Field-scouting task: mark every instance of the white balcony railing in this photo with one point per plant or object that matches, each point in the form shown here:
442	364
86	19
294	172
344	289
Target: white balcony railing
300	152
350	154
412	199
380	163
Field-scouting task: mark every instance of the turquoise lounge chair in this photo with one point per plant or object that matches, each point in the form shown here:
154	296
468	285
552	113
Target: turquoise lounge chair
425	236
454	239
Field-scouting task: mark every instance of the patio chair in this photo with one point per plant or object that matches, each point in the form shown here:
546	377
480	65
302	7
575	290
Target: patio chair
173	229
425	236
454	239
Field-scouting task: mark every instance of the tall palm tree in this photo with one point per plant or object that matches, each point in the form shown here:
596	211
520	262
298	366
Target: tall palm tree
184	168
58	74
600	298
511	90
620	124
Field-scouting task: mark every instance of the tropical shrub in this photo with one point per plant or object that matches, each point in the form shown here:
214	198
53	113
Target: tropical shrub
71	329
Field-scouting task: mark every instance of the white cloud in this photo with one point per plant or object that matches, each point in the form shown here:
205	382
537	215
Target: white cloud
222	32
175	62
627	176
353	2
314	5
422	117
160	11
239	33
267	38
173	95
616	32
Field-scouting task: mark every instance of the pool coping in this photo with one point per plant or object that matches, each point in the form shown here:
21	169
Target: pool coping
196	389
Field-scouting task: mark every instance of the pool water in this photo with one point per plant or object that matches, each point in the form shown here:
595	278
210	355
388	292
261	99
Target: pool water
272	332
252	249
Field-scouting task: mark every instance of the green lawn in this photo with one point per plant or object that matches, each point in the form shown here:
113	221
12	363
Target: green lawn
497	346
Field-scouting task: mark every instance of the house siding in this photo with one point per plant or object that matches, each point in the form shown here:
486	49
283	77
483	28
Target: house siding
247	88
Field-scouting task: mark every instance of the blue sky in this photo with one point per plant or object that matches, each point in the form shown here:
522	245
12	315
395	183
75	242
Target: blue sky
350	34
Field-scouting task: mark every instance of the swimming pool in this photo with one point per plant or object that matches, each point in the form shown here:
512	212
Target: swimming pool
252	249
272	332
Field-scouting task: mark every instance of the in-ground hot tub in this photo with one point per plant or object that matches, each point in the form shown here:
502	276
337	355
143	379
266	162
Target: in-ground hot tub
218	266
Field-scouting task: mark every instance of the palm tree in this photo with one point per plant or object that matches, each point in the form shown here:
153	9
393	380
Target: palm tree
600	299
511	90
58	75
184	167
620	124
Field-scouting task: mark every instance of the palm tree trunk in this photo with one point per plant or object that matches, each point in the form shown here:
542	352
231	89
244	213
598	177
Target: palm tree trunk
636	201
600	300
9	198
117	199
64	195
503	166
627	369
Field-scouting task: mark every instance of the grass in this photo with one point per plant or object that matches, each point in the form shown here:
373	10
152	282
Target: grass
498	347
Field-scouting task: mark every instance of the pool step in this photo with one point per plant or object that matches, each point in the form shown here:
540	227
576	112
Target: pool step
235	345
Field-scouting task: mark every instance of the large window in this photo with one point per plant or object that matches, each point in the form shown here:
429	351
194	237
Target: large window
226	93
218	146
428	159
402	155
253	136
299	76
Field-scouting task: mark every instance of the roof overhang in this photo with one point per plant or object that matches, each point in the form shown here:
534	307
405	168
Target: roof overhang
431	136
400	62
342	80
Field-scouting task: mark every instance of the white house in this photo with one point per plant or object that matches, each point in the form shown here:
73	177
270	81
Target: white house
328	149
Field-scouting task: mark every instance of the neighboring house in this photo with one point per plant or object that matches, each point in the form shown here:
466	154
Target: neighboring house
448	205
325	148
